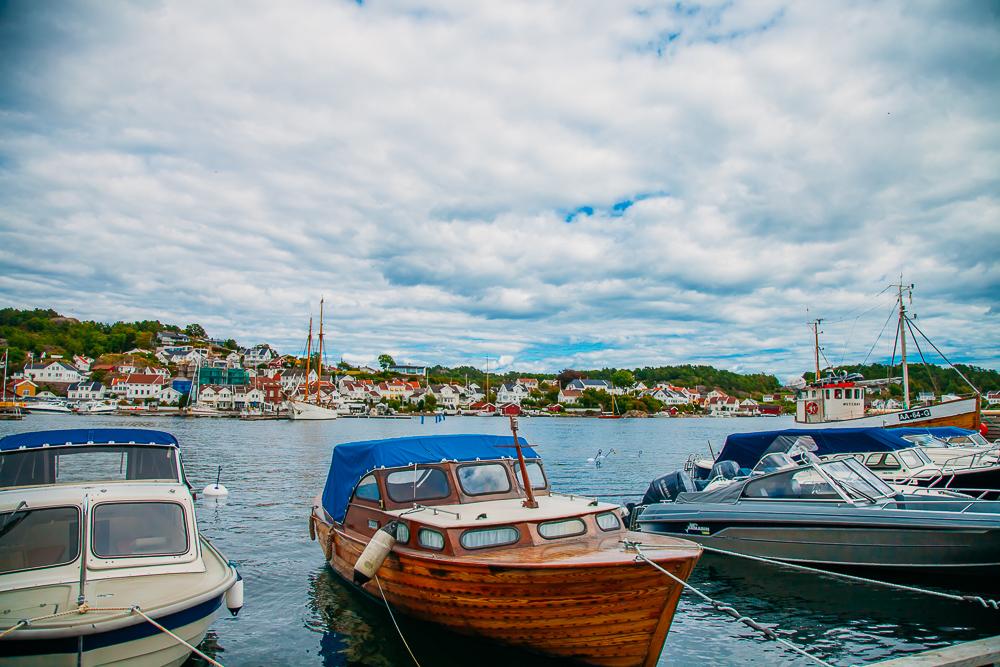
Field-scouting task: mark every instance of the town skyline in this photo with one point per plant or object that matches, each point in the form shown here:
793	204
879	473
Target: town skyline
601	185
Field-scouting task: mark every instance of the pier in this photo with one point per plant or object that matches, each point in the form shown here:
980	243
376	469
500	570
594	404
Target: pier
967	654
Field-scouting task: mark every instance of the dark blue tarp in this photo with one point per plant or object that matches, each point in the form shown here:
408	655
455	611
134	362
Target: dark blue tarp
82	436
353	460
748	448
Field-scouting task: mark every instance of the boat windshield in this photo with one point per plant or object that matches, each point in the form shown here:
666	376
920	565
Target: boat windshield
914	458
857	479
773	462
802	483
34	538
970	440
925	440
100	463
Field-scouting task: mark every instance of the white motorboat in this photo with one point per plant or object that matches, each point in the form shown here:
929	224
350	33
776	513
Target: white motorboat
98	537
96	408
48	407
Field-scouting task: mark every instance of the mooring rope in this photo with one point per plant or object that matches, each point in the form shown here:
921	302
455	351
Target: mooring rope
976	599
393	617
85	608
731	611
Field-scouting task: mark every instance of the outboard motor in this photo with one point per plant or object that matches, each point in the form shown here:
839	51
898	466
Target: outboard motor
725	469
667	487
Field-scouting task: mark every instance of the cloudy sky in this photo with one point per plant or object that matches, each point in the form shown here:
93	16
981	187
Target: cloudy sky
549	184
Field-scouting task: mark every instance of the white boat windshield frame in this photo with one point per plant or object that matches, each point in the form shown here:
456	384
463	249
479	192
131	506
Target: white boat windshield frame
123	462
854	480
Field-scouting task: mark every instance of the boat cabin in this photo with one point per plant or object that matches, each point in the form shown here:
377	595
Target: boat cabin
465	500
834	398
115	497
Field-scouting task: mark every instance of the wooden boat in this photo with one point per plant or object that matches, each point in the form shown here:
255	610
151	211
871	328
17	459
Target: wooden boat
304	409
451	529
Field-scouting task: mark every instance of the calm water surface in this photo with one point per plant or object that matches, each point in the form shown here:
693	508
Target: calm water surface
297	613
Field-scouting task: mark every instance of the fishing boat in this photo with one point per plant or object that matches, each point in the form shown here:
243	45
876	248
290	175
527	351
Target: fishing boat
828	513
838	400
465	532
99	546
305	409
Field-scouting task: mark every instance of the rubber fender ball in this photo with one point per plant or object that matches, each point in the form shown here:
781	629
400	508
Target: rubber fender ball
375	553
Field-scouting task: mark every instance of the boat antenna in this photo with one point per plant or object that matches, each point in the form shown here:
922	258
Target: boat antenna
309	351
530	501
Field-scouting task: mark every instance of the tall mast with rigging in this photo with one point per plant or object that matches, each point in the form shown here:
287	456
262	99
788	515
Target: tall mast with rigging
815	328
319	362
309	350
902	340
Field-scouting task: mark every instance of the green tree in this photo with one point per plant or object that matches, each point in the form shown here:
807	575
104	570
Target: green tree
195	331
623	378
385	361
230	344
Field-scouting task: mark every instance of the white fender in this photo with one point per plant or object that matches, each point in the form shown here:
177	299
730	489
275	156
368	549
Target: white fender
375	553
234	596
215	490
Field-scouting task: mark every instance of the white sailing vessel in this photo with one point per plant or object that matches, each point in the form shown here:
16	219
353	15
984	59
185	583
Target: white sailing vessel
306	409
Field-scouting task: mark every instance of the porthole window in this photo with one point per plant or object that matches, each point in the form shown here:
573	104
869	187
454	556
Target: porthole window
430	539
563	528
608	521
481	538
402	533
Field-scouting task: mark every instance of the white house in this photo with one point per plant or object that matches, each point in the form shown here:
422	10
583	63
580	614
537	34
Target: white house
257	355
447	396
511	392
720	406
53	371
993	397
582	384
141	387
748	406
82	363
169	395
569	396
86	391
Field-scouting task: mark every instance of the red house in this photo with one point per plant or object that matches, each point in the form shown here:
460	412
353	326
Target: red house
510	410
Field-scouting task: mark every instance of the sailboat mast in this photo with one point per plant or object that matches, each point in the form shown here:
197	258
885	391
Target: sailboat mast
309	351
902	347
5	353
487	397
319	362
816	345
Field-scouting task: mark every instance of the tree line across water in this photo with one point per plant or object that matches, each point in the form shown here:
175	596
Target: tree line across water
44	330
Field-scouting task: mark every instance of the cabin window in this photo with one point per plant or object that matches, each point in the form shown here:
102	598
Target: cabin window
911	459
402	532
430	539
802	483
34	538
485	478
608	521
481	538
563	528
837	393
828	393
891	462
535	475
122	530
405	486
368	489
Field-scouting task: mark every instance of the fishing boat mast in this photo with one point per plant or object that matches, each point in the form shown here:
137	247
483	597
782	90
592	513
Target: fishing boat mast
815	328
319	361
902	339
530	501
309	348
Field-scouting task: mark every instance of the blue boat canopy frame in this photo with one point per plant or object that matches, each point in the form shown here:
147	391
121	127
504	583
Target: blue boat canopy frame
748	448
354	460
86	436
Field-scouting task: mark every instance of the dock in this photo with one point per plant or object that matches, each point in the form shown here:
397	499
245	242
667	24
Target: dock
967	654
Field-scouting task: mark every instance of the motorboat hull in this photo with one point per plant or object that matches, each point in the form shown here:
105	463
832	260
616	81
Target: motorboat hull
963	413
847	540
137	645
614	613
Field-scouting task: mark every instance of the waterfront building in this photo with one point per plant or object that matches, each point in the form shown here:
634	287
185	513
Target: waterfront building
581	384
512	392
569	396
86	391
53	371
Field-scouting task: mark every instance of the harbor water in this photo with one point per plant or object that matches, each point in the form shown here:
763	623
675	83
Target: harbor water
298	613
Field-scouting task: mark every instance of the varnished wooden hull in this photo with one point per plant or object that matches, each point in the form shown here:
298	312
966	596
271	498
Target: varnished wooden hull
615	613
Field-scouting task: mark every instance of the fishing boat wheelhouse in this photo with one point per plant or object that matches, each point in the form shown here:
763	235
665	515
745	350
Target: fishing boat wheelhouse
475	541
95	526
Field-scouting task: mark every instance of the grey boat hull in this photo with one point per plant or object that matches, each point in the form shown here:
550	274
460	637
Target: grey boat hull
846	539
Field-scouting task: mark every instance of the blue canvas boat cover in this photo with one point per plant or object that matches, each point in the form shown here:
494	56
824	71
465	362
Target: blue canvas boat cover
83	436
748	448
354	460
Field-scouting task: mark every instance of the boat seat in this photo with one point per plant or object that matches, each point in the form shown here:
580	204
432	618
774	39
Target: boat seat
725	469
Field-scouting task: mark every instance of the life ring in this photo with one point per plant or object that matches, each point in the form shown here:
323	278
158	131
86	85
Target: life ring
812	407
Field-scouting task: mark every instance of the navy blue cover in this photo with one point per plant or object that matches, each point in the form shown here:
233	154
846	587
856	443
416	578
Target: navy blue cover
354	460
83	436
748	448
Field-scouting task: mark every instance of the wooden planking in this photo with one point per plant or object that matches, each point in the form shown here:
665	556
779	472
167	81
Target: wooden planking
968	654
613	616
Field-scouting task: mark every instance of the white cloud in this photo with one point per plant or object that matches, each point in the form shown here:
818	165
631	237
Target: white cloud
415	164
